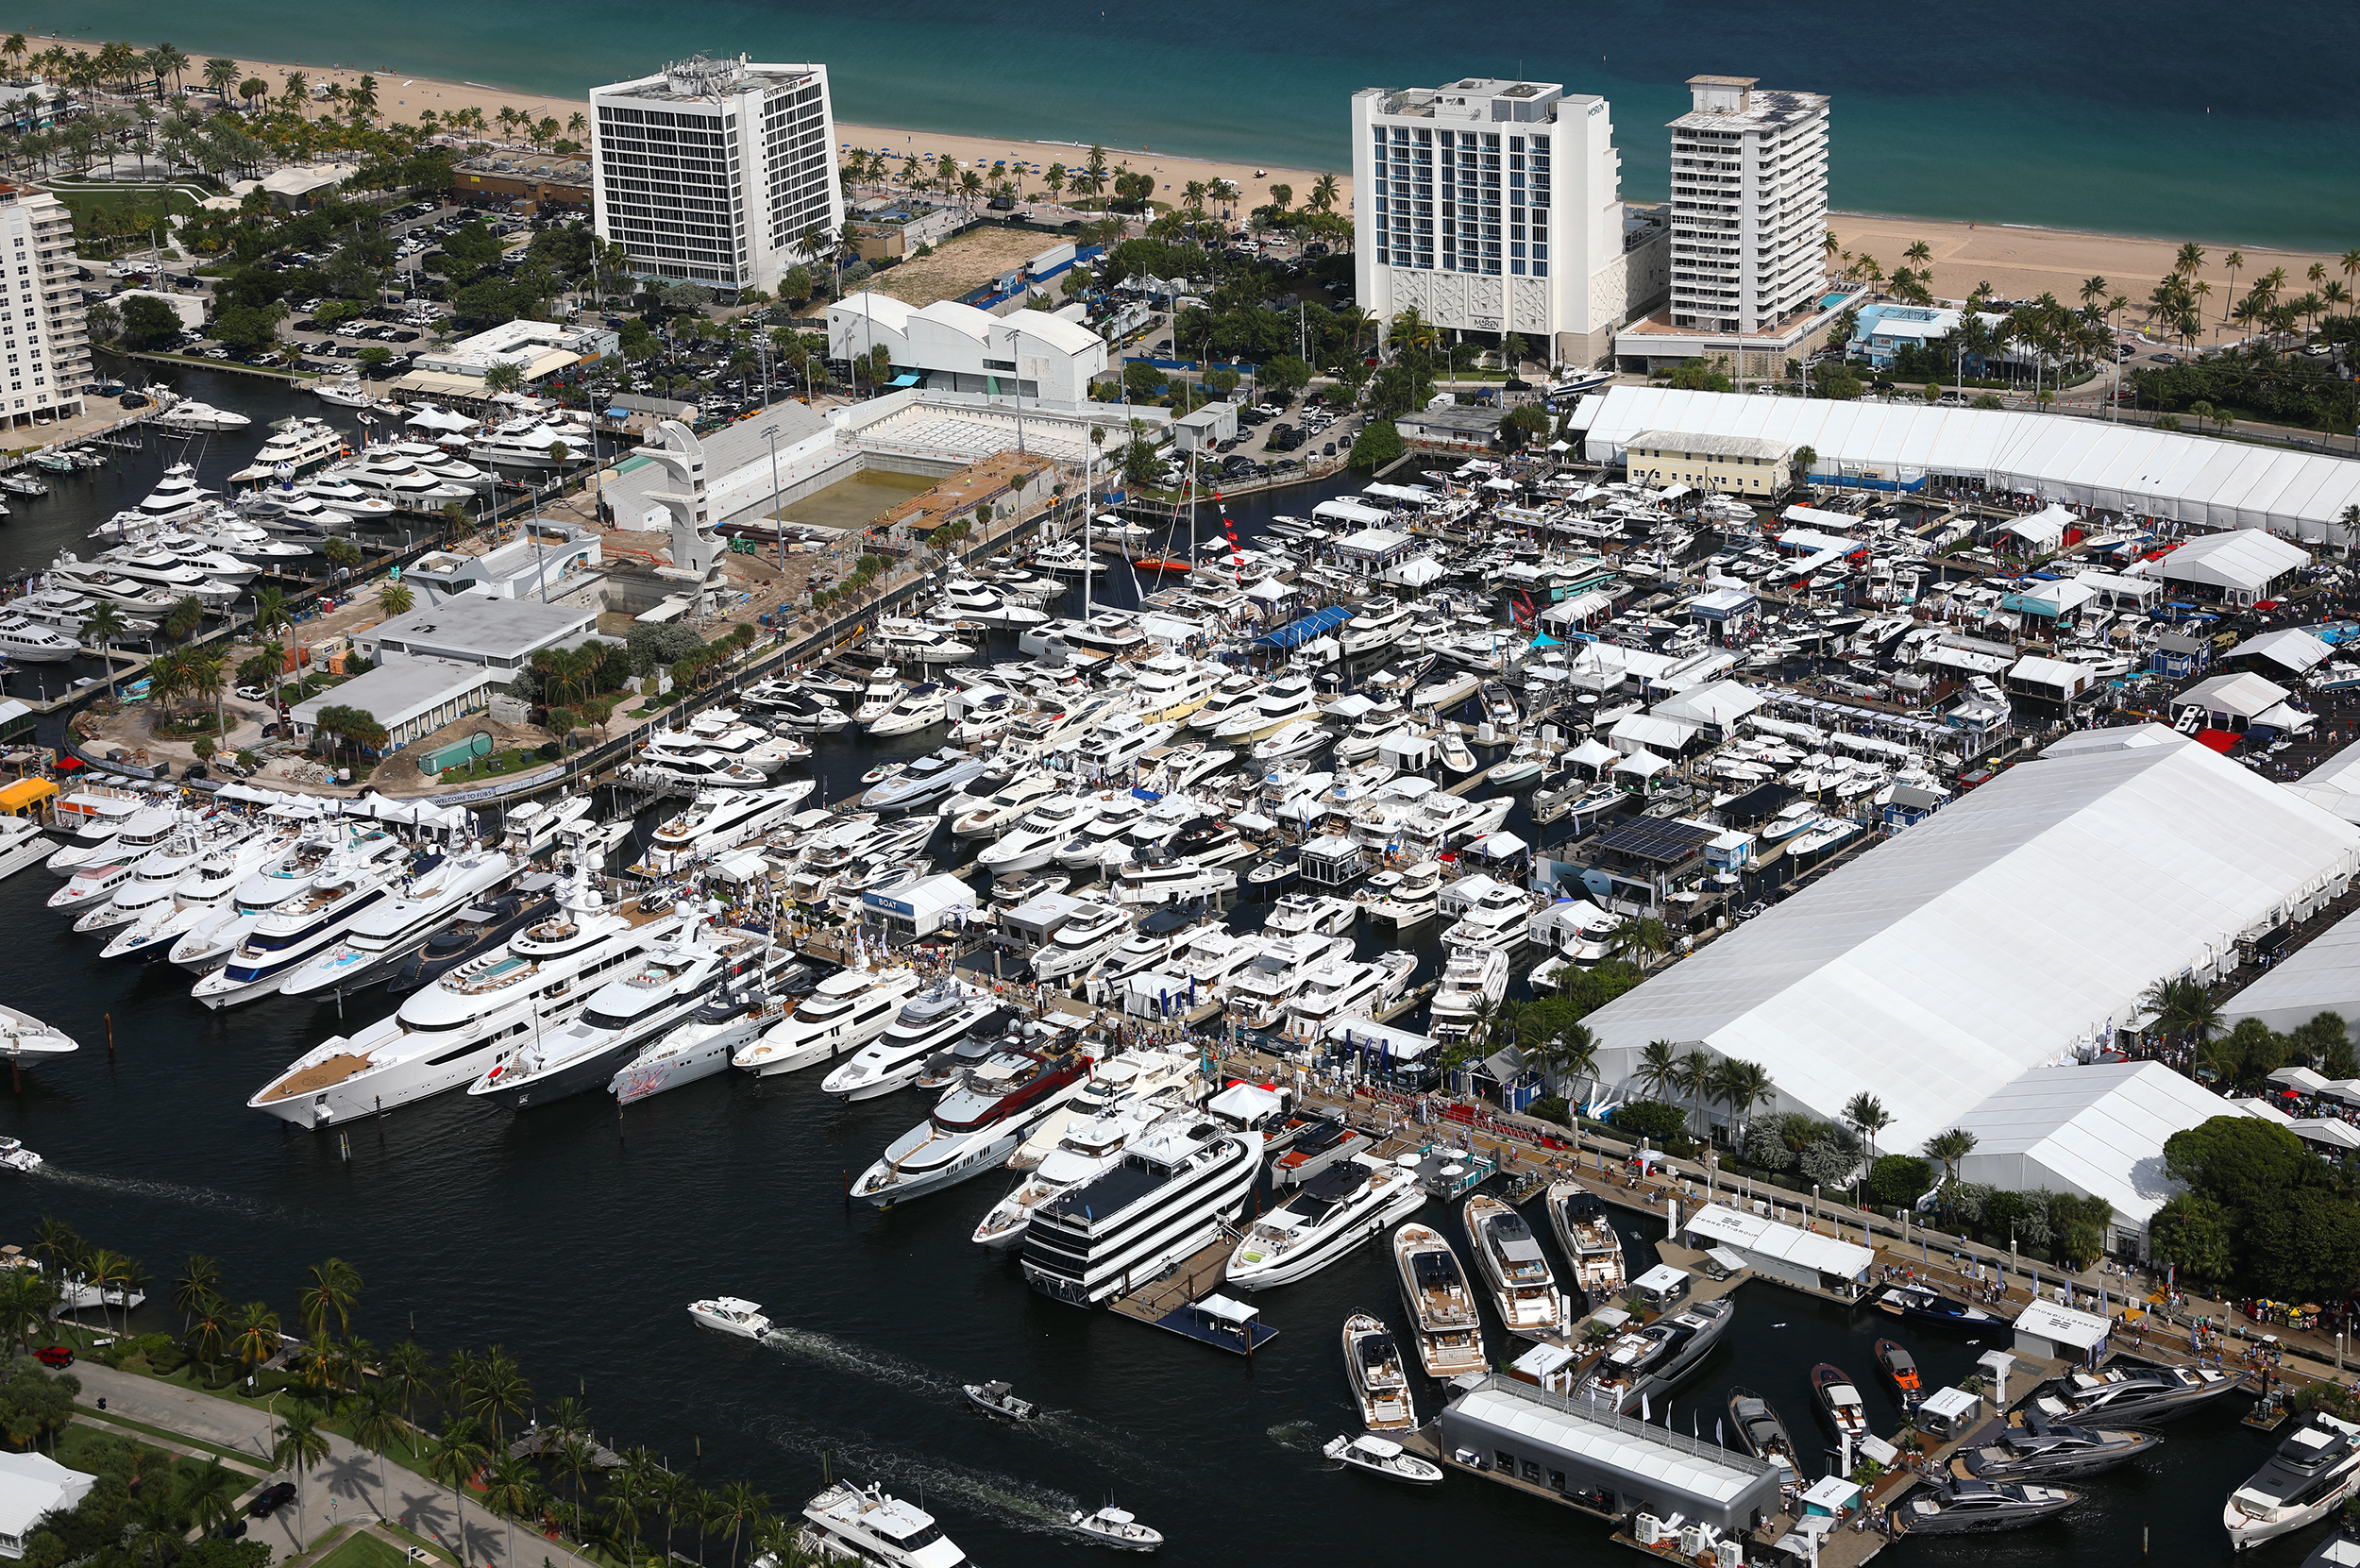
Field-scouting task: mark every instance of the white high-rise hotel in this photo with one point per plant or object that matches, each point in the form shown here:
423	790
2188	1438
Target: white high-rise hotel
713	171
44	332
1496	206
1749	205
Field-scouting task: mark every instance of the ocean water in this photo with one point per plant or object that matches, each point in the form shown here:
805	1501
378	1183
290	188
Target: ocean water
2174	120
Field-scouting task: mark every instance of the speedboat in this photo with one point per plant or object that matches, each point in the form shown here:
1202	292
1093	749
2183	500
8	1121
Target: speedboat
2045	1450
1383	1457
731	1315
843	1013
1524	1292
930	1022
1918	1303
1899	1370
2315	1467
1759	1428
1837	1402
1952	1507
15	1156
1325	1218
998	1399
1441	1308
1646	1361
1113	1527
1379	1385
2133	1394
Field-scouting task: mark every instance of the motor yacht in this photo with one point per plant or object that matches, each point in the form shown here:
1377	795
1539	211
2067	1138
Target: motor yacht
187	413
1402	897
933	1021
1012	800
1087	1148
964	599
63	610
207	945
2045	1450
295	447
1103	841
870	1526
23	845
1230	696
916	642
720	819
95	582
530	827
382	936
286	936
974	1127
1301	737
1507	1256
721	730
297	514
2133	1394
1646	1361
111	576
1321	912
381	471
1035	839
1951	1506
1256	995
1274	707
338	492
667	982
204	887
1090	935
1170	1195
795	709
535	444
117	838
843	1013
1168	687
701	769
1473	981
2314	1470
1338	990
93	885
927	781
1377	625
1114	744
721	1026
1441	1308
1379	1383
919	707
1918	1303
160	558
1592	1246
155	874
1178	880
24	1036
1335	1211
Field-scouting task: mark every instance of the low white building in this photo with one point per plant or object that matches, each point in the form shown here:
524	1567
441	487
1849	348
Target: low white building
1787	1253
409	697
1031	356
502	634
522	568
919	908
537	348
30	1486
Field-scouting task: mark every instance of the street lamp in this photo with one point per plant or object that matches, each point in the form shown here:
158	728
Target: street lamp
770	433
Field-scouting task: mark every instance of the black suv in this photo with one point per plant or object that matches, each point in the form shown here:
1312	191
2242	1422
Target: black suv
270	1499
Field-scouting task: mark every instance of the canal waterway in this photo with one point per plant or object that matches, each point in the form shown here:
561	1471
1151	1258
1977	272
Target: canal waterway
575	1235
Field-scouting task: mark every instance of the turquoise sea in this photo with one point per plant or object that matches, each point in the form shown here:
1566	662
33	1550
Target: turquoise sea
2165	119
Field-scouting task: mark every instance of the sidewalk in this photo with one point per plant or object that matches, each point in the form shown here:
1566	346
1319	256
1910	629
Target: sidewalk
344	1489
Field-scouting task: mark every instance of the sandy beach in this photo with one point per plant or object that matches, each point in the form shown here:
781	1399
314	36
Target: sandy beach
2017	263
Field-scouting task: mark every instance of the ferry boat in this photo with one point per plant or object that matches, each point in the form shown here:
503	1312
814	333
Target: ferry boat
843	1013
1165	1202
973	1127
1524	1292
1441	1308
1379	1384
1335	1211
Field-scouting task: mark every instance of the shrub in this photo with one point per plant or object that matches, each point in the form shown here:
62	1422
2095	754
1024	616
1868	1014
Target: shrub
1896	1181
1551	1107
1652	1119
1765	1146
205	748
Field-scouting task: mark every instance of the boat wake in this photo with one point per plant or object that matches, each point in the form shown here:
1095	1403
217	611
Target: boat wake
1019	1504
196	1197
1302	1436
876	1365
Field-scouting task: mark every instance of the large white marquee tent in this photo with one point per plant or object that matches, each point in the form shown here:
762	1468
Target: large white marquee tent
1998	936
2124	468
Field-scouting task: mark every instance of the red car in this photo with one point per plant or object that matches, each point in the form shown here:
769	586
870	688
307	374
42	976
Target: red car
56	1357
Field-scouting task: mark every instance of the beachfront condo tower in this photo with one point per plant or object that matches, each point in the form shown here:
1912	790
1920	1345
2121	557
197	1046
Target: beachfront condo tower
43	335
719	172
1749	206
1495	207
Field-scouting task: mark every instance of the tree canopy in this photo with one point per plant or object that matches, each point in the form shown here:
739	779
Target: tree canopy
2261	1211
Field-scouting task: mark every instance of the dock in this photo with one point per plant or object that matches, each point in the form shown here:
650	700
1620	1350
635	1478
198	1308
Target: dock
1185	1300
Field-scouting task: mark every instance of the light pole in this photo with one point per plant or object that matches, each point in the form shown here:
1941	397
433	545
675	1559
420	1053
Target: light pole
770	433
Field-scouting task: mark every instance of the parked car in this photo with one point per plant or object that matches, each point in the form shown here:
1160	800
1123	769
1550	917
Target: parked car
270	1499
56	1357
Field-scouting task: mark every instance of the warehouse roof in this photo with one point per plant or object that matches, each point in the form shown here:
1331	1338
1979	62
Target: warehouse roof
1703	444
1672	1460
1995	934
2191	479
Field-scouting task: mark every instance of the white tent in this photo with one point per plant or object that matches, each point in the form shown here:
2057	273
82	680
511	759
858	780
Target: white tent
1998	936
2290	649
2321	976
2118	468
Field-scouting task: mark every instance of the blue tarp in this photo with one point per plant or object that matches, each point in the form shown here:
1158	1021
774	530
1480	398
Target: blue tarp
1295	633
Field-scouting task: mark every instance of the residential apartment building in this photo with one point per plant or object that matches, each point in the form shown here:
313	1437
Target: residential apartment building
1495	207
43	334
713	171
1749	205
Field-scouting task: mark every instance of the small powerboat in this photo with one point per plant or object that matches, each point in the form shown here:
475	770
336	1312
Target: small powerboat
1900	1375
1111	1526
1838	1402
1384	1456
1761	1431
1916	1304
731	1316
15	1156
999	1399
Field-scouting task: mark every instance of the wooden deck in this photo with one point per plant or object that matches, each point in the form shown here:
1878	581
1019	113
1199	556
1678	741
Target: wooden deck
1191	1279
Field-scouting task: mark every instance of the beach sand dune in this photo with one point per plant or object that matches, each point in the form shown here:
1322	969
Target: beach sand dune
2019	263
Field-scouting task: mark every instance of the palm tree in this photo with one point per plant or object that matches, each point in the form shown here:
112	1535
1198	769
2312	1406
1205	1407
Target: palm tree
452	1457
510	1488
300	1447
100	628
1696	1076
254	1334
740	1502
13	48
500	1389
409	1371
1741	1086
334	1289
2190	260
104	1270
376	1422
394	599
667	1489
209	1330
198	1286
27	1296
626	1494
1573	1053
168	61
209	1496
1868	1118
1659	1067
1639	935
575	1455
207	673
1949	1147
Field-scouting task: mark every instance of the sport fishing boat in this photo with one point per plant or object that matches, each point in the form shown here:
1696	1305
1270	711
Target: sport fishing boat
1334	1212
666	984
1441	1308
447	1035
1379	1384
1175	1187
843	1013
1115	1527
394	928
1949	1506
1507	1253
2316	1466
933	1021
973	1127
1647	1361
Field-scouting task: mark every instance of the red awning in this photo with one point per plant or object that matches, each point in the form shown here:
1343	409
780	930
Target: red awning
2219	740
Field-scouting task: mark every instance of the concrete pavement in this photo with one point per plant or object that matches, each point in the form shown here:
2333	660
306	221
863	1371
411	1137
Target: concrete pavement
352	1487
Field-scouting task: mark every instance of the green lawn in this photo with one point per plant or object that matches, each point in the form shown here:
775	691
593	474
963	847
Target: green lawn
78	1439
363	1550
118	201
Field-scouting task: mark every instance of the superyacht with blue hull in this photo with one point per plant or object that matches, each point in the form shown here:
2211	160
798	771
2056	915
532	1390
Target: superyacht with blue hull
667	983
472	1019
389	933
208	945
288	934
1175	1188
